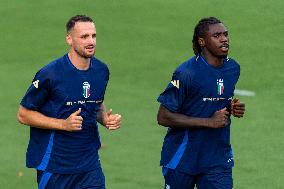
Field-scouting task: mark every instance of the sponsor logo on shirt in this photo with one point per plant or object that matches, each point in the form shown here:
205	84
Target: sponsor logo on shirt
168	186
71	103
220	86
213	99
35	83
175	83
86	89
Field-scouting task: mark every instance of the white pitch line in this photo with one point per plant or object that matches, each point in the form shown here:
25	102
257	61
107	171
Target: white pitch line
244	92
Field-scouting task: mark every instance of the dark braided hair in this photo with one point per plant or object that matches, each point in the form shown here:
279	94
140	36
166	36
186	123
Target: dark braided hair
78	18
199	31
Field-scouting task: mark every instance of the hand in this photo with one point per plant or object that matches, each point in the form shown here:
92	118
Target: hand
237	108
219	119
73	122
112	121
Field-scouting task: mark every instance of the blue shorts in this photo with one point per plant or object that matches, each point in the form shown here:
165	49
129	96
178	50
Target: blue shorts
217	178
90	180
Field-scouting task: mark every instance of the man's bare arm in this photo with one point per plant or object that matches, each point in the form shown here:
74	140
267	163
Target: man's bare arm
177	120
36	119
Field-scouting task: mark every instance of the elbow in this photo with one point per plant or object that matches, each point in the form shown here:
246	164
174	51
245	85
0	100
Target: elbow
164	116
162	120
20	118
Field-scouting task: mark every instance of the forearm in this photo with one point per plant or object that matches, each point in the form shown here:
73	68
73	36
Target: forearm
38	120
177	120
100	114
183	121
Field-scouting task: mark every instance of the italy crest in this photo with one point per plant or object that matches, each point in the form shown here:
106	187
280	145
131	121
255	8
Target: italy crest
220	86
86	89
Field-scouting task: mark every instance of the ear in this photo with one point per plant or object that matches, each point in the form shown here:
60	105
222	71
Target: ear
68	39
201	42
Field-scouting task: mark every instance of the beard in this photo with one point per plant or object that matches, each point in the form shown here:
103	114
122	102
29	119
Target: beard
222	56
82	54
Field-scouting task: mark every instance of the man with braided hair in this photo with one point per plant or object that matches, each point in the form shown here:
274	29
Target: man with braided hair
196	107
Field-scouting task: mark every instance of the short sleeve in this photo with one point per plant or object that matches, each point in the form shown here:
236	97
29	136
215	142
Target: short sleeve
38	92
176	92
106	79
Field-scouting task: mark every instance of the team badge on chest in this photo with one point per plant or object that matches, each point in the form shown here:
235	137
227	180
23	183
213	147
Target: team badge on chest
220	86
86	89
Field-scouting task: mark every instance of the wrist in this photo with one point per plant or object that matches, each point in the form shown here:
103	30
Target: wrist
62	124
102	120
207	122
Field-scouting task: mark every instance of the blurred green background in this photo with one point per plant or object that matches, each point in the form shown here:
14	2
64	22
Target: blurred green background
143	41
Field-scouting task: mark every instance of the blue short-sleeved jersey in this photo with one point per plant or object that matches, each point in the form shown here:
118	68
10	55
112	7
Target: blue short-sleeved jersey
58	90
198	89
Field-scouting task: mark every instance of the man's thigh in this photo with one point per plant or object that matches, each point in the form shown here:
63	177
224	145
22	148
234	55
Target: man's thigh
90	180
175	179
217	178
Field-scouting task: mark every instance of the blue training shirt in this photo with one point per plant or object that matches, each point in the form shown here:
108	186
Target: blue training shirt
198	89
58	90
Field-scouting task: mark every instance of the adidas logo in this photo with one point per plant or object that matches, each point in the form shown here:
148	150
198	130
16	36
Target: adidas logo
175	83
35	83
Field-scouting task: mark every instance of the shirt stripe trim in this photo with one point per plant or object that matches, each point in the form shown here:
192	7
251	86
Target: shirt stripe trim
178	155
47	154
44	180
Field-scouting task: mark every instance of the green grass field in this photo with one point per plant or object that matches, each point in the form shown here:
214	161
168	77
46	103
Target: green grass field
143	41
